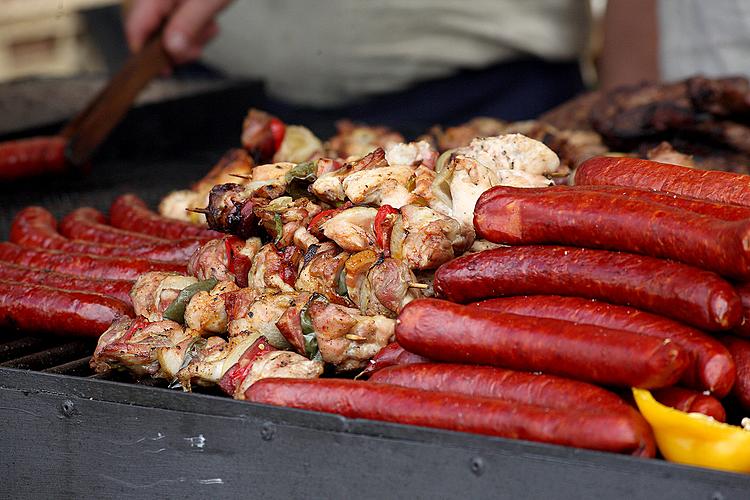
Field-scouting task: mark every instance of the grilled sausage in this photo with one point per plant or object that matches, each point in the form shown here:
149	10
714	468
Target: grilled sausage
457	412
711	365
723	211
38	308
90	266
691	402
131	213
523	216
712	185
742	329
119	289
35	227
445	331
31	157
694	296
740	350
392	355
89	224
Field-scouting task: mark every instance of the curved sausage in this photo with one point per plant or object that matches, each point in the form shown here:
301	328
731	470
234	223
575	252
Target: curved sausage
694	296
392	355
691	402
711	366
89	224
38	308
712	185
445	331
90	266
740	350
457	412
35	227
32	157
119	289
591	219
131	213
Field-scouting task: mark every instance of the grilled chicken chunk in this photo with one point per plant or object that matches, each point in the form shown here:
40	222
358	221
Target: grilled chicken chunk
154	291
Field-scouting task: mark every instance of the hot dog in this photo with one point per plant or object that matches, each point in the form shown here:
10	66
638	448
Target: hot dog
119	289
712	185
30	157
90	266
89	224
711	366
691	402
353	399
445	331
592	219
392	355
742	329
740	350
38	308
694	296
131	213
35	227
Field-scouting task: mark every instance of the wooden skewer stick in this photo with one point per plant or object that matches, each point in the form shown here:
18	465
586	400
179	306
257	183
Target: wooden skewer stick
351	336
421	286
242	176
198	210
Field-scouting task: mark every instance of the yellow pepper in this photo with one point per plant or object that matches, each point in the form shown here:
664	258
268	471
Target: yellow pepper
694	438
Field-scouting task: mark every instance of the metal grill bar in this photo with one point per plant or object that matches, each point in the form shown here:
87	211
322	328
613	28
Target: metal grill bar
50	357
76	367
22	347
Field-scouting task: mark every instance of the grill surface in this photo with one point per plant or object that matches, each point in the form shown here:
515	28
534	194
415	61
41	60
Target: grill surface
70	433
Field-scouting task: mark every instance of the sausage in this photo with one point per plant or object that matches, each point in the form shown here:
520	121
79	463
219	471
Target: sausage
723	211
711	365
711	185
456	412
89	224
524	216
131	213
742	329
31	157
35	227
392	355
693	296
39	308
78	264
740	350
119	289
444	331
691	402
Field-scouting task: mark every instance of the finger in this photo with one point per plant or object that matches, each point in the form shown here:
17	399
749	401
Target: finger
183	34
143	18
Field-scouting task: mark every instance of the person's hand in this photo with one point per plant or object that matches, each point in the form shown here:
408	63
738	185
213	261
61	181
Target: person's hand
190	24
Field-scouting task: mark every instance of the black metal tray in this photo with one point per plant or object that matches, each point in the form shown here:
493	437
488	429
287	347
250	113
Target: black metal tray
67	436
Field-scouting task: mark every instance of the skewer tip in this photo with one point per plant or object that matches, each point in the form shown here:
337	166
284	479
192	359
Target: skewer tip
198	210
242	176
421	286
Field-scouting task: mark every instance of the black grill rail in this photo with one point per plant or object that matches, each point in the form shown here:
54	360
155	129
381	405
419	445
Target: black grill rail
49	354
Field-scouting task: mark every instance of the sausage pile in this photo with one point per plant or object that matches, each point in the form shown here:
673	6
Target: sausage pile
75	278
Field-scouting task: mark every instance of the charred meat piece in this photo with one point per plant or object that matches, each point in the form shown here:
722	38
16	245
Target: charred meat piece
225	259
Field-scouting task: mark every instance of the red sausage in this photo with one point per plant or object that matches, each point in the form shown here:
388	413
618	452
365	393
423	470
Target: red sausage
691	402
722	211
119	289
493	417
523	216
35	227
37	308
392	355
131	213
691	295
548	391
445	331
89	224
31	157
90	266
711	367
743	328
712	185
740	350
